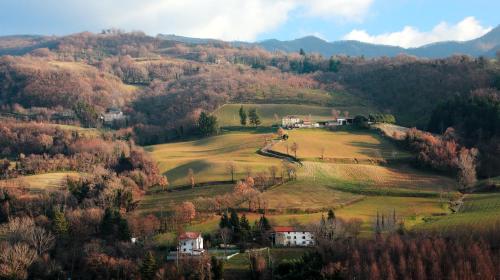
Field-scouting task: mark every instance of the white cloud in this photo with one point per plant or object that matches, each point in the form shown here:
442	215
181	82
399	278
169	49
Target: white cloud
345	9
221	19
467	29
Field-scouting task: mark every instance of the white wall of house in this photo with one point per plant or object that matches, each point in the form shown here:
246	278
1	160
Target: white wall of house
289	121
294	238
191	246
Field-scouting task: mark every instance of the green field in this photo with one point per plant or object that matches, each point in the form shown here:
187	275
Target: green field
478	212
271	114
208	157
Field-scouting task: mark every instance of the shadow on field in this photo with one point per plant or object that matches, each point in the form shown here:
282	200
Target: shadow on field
181	172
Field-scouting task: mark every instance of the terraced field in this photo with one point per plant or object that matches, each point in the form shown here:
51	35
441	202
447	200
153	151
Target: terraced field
271	114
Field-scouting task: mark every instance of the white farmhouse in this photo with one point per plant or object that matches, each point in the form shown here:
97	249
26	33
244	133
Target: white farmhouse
113	115
191	243
291	236
290	121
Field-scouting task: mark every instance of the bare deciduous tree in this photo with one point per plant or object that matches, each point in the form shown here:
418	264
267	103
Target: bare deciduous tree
225	236
273	170
41	240
294	148
231	169
15	260
467	167
190	176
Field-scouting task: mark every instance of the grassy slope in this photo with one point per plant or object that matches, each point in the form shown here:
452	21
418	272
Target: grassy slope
48	181
208	157
355	190
339	144
479	211
270	114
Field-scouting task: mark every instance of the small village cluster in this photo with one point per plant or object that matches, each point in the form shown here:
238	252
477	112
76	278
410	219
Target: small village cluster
191	243
296	122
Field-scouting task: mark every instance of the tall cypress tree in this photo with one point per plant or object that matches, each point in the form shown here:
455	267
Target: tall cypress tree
243	116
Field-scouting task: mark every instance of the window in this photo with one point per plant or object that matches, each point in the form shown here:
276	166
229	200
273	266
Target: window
288	237
303	237
184	243
303	242
295	237
184	249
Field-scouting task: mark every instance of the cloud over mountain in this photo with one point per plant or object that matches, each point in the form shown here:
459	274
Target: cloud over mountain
467	29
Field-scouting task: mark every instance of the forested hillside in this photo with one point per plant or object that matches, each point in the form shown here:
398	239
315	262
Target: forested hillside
163	85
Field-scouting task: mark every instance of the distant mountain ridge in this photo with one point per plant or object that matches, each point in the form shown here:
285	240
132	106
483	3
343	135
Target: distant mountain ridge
487	45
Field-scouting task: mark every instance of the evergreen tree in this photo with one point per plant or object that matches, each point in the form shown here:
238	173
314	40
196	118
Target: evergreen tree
61	225
331	216
107	222
87	114
148	267
224	221
254	117
207	124
243	116
123	230
244	223
234	221
217	268
264	223
302	52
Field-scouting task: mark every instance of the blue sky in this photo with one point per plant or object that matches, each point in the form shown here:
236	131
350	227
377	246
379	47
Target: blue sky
406	23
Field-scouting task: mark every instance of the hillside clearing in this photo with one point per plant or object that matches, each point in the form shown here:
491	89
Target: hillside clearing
41	182
271	114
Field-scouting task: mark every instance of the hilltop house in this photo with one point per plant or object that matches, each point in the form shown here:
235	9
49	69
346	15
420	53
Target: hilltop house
290	121
291	236
113	115
191	243
344	121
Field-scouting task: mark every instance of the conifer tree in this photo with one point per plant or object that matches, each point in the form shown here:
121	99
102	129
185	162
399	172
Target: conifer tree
224	221
61	225
243	116
234	220
254	117
148	267
244	223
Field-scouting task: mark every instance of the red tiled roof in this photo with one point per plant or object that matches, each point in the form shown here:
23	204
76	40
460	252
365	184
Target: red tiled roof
189	235
284	229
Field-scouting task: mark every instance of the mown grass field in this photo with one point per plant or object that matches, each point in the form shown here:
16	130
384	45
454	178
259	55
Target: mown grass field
478	212
41	182
271	114
209	157
354	144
